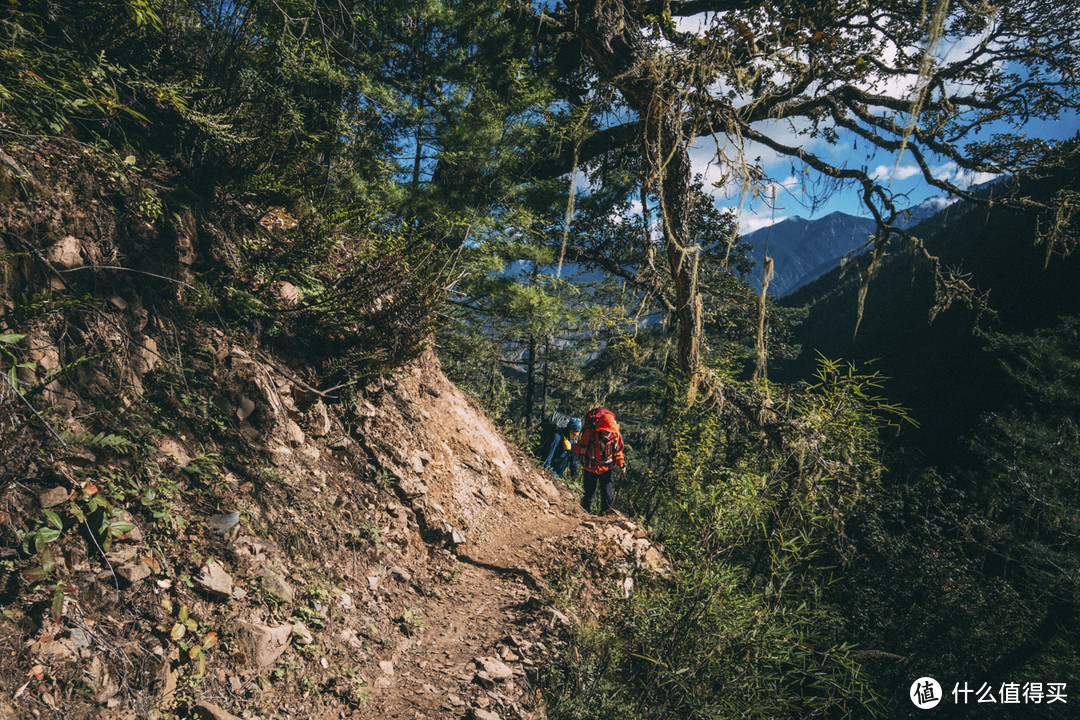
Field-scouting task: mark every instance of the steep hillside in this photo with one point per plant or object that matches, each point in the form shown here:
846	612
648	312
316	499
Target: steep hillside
937	359
191	527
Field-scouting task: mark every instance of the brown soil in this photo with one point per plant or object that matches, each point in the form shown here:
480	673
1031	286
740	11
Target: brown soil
518	524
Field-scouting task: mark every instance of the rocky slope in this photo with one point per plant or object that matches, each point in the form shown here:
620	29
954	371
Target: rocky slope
190	529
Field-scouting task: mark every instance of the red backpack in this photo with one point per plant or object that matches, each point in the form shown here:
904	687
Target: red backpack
601	435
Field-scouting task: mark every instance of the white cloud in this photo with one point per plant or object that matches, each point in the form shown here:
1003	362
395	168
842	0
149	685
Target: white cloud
938	202
951	172
727	164
890	173
969	178
787	184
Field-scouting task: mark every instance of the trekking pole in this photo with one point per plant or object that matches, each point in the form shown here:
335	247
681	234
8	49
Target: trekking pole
615	493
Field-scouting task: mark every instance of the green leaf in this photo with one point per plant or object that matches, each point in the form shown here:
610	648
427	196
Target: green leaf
48	534
196	653
58	606
54	519
178	631
48	562
129	160
119	528
11	338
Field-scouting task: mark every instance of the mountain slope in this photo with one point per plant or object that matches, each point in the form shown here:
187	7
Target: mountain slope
803	249
939	367
191	527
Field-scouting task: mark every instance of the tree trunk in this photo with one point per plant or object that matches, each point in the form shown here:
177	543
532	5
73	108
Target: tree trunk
547	376
623	59
530	383
683	257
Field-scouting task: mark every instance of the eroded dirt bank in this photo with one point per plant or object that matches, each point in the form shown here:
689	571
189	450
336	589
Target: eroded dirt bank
383	559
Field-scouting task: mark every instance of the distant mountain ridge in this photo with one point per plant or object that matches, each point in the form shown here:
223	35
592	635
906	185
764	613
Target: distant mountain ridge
803	250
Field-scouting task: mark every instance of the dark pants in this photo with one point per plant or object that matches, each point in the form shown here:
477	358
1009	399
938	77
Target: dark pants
607	489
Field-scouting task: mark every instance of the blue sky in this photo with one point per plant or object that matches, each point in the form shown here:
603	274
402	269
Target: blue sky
799	193
804	195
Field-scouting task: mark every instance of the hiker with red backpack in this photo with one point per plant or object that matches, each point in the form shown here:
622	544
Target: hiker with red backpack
600	448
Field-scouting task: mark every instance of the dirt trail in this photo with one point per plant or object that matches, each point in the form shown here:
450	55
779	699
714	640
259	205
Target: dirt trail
517	522
486	611
279	551
434	674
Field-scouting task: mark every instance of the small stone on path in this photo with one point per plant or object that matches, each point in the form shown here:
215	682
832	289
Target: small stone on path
54	497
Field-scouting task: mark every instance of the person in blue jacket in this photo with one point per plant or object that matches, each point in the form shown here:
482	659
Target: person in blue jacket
555	454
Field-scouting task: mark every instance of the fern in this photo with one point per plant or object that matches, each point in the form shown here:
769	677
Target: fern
117	443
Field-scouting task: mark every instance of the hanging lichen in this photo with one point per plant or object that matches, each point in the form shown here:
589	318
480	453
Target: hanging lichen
927	64
876	258
759	345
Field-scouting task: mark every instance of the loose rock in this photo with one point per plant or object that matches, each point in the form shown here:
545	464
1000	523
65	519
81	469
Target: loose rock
319	420
280	456
247	406
280	587
288	293
302	634
100	681
209	711
214	580
295	434
262	645
54	497
133	572
496	669
65	254
224	522
484	680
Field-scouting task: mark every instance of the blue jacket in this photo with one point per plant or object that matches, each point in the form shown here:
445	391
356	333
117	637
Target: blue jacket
556	456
